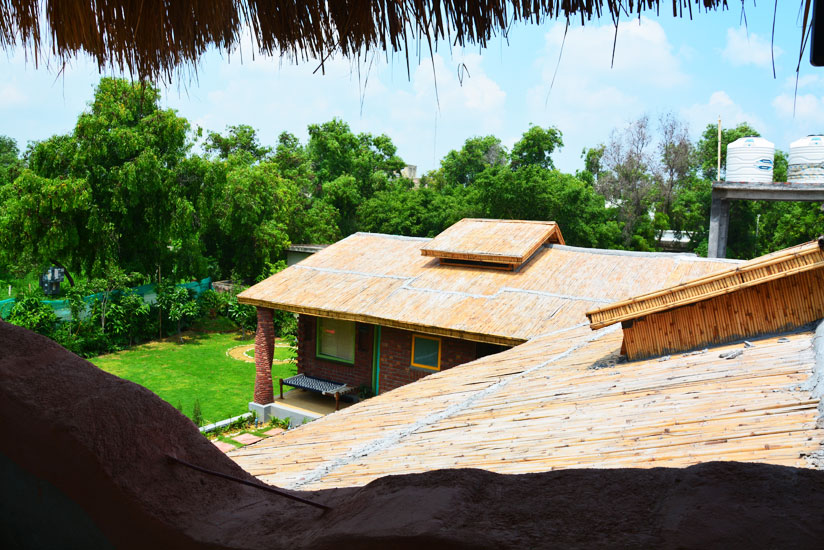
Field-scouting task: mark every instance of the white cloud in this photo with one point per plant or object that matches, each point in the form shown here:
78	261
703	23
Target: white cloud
592	94
748	49
804	81
11	96
720	103
807	109
274	97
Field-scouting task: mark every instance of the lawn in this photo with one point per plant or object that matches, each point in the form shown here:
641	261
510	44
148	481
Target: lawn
281	353
198	369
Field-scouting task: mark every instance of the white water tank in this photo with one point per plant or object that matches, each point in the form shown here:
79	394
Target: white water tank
750	159
806	160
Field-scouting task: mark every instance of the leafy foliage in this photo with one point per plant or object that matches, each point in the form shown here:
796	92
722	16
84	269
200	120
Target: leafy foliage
31	313
122	200
178	305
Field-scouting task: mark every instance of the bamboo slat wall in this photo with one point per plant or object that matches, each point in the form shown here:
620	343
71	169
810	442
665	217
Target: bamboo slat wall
384	280
779	304
541	406
499	241
758	271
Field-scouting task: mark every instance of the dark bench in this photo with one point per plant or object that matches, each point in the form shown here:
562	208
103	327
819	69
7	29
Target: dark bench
325	387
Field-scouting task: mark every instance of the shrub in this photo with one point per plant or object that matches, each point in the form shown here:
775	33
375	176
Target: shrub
242	314
178	304
197	415
29	312
213	303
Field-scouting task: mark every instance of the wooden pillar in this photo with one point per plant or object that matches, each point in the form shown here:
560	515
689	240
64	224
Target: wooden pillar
264	351
719	226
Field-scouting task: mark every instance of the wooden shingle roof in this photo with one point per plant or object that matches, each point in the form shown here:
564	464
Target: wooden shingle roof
790	261
510	242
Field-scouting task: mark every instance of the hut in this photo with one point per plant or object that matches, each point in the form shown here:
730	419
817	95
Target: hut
569	397
380	311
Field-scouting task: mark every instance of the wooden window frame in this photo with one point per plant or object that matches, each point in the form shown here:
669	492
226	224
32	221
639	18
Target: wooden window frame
318	333
440	350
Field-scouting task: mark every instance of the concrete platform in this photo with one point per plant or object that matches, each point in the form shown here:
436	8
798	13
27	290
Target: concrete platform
312	401
299	406
725	191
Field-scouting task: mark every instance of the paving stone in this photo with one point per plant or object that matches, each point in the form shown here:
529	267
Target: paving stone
275	431
247	439
223	446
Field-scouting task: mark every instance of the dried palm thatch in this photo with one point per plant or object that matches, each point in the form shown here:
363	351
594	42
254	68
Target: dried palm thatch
154	38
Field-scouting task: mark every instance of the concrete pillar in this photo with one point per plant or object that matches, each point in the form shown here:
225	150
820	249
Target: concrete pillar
719	227
264	351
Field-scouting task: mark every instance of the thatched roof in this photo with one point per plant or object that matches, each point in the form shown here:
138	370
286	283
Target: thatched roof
153	38
384	280
777	265
560	402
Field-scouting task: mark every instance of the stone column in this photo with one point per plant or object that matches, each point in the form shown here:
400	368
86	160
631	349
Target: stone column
264	351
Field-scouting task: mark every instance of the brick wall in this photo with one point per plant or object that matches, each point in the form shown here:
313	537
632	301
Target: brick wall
353	375
396	356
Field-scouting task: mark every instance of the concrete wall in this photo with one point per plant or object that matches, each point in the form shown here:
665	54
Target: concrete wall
396	356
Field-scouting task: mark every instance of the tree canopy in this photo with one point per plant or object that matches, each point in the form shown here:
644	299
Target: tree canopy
134	189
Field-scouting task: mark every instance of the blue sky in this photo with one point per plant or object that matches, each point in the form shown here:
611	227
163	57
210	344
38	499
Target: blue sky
696	69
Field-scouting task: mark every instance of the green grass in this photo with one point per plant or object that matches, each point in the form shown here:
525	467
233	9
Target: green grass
281	353
197	369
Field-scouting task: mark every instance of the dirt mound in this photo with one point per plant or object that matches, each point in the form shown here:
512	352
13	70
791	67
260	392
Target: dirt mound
80	443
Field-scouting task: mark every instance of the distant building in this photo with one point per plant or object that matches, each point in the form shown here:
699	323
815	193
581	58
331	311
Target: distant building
299	252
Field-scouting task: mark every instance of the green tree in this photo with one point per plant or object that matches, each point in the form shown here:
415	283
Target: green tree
535	147
178	304
107	194
128	314
553	196
239	140
348	168
44	222
707	147
243	314
462	167
416	212
744	215
250	218
10	162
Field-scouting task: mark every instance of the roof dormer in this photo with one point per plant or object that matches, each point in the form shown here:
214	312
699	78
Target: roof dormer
496	244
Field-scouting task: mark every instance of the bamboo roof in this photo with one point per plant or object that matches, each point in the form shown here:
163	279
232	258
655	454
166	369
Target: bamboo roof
510	242
384	280
153	38
778	265
561	401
